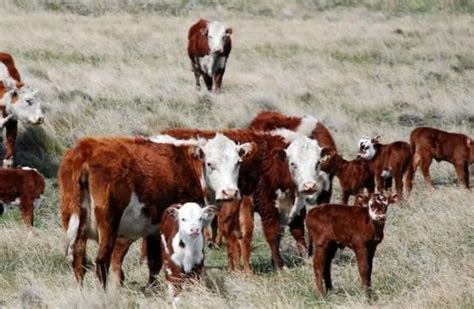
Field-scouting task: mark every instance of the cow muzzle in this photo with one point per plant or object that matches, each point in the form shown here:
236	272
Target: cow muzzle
309	187
228	195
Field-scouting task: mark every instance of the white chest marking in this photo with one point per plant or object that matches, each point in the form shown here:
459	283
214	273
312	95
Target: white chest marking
284	205
134	223
190	255
211	64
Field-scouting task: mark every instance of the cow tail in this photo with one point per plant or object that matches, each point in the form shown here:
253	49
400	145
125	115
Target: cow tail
410	172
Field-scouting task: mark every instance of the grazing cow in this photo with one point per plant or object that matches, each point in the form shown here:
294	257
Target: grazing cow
281	169
209	46
21	188
308	126
388	160
182	242
353	175
115	190
429	143
334	226
17	102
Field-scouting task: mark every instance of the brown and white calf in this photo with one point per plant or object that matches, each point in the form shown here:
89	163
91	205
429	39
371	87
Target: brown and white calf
182	242
429	143
115	190
18	101
389	160
22	188
353	175
308	126
209	46
333	226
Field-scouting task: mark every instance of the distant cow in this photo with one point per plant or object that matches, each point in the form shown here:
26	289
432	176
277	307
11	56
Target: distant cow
388	160
182	242
209	46
115	190
17	102
429	143
21	188
308	126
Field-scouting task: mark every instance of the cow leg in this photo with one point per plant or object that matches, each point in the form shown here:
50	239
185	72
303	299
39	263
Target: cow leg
319	261
379	183
363	266
120	250
425	169
271	229
246	227
297	231
462	171
27	210
207	81
370	258
197	75
228	221
345	196
331	252
154	258
398	183
218	79
12	131
79	257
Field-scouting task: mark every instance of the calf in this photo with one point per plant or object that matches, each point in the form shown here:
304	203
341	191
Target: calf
353	175
308	126
209	46
18	101
388	160
21	188
182	242
332	226
429	143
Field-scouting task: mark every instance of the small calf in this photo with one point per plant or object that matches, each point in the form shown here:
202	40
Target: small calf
429	143
182	242
332	226
353	175
388	160
21	188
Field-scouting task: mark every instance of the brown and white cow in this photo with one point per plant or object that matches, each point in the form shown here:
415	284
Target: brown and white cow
209	46
308	126
429	143
115	190
182	243
18	101
388	160
281	169
22	188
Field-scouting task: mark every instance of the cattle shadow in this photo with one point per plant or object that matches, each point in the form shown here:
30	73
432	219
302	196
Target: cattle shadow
36	148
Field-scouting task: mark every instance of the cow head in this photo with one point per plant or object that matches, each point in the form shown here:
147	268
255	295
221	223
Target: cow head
222	164
217	33
21	102
304	162
192	219
368	147
377	205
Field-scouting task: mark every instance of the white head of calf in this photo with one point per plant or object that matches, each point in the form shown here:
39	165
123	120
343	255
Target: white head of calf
377	205
367	148
216	33
21	102
222	164
188	243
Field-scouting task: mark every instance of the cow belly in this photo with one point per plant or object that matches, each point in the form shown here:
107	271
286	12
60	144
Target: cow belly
134	223
210	64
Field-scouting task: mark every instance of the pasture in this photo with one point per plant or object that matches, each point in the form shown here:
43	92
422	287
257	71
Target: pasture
360	69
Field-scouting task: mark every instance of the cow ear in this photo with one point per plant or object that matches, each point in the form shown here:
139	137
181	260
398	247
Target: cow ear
228	31
377	139
208	214
394	198
280	154
361	200
204	31
247	150
326	154
197	153
173	212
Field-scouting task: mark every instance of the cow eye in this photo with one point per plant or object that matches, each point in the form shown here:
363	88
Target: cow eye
293	164
29	101
210	36
183	219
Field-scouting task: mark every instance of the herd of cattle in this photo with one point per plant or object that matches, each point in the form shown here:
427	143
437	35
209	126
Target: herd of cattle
169	189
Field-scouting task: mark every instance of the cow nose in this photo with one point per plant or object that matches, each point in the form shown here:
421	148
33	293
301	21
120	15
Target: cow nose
40	120
218	50
230	193
309	186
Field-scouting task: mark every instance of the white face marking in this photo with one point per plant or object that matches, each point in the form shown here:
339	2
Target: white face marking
4	74
222	165
373	213
191	221
27	107
307	125
366	148
134	224
216	36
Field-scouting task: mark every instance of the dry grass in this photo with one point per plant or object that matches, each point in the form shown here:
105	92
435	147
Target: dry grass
360	70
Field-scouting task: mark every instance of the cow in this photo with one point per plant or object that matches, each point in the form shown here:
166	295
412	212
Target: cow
18	101
23	188
430	143
308	126
115	190
182	243
209	46
388	160
285	167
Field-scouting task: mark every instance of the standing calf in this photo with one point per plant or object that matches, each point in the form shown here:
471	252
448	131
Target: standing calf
182	242
428	144
359	228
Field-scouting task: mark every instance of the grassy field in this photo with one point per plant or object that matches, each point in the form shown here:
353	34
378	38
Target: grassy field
363	68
